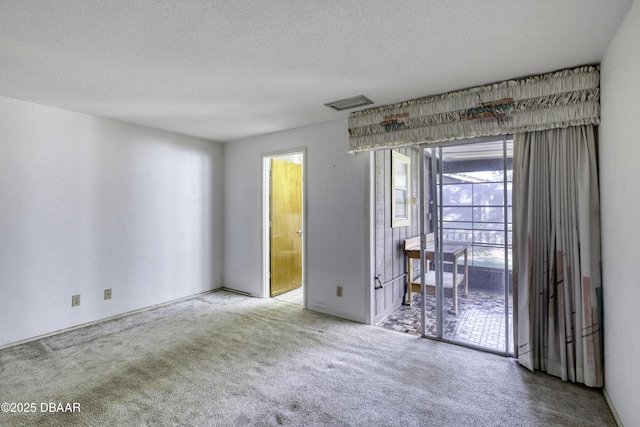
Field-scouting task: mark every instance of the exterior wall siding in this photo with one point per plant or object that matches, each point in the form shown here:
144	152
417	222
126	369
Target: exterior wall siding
389	252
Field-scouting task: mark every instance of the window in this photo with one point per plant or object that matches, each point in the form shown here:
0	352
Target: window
401	191
473	206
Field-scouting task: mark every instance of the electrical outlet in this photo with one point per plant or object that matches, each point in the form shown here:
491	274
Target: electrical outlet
107	294
339	291
75	300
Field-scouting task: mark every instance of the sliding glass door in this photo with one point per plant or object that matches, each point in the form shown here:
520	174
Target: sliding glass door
467	296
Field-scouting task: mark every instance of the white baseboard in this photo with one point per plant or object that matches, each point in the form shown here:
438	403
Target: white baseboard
611	407
324	310
106	319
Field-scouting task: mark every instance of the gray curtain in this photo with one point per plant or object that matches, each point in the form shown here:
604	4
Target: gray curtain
556	232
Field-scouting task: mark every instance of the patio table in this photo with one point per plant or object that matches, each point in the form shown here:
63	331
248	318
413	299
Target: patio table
451	251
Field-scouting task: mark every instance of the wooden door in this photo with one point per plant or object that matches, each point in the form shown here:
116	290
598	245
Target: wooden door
286	226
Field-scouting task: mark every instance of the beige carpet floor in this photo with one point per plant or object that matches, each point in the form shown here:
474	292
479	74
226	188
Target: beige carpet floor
221	359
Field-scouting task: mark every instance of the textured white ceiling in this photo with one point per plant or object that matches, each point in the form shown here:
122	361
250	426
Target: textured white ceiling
224	70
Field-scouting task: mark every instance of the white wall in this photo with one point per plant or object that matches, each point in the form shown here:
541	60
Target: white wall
620	201
88	204
337	216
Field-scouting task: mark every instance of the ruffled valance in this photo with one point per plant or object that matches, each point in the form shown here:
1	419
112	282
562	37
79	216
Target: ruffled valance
555	100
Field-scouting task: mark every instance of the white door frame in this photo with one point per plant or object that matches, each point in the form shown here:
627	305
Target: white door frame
296	155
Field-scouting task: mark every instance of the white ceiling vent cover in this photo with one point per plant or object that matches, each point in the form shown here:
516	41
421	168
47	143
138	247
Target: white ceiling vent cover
348	103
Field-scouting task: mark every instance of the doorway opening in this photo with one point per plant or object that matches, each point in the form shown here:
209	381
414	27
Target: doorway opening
283	219
465	262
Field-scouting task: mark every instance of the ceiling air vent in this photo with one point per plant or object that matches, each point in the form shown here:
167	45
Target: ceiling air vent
348	103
